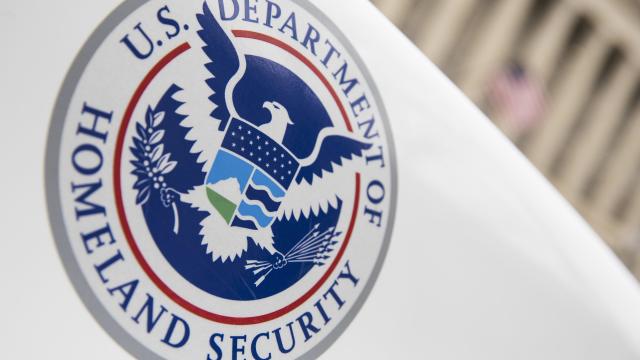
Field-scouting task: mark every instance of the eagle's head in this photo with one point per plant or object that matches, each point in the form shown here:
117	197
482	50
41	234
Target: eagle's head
279	122
278	112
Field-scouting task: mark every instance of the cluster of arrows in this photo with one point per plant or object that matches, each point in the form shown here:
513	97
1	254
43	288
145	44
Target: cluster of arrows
315	247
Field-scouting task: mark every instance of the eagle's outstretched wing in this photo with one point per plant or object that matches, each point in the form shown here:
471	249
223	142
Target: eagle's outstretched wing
333	160
221	63
224	242
224	63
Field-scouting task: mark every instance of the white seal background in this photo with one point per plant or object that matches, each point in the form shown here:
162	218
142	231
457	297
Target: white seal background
198	106
104	308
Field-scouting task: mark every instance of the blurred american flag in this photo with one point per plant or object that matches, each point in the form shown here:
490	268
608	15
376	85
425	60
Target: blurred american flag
516	100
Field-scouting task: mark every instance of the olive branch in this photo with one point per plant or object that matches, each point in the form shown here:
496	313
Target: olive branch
151	163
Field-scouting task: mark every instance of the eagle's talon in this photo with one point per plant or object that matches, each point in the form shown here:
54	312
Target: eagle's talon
280	261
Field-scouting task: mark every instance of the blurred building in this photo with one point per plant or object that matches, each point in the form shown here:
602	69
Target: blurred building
562	79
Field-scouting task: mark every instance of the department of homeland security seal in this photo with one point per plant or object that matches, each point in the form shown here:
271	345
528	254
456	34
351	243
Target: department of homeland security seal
221	179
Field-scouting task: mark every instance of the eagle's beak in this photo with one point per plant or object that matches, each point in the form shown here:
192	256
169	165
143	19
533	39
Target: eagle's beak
272	106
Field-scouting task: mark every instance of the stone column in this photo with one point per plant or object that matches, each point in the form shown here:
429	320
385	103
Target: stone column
493	46
621	169
632	216
438	37
395	10
604	115
566	102
543	50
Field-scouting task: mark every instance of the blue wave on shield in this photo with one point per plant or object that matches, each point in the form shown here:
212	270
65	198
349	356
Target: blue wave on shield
263	197
255	212
261	179
247	224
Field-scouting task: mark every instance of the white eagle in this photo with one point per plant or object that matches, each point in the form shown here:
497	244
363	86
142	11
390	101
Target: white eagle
319	183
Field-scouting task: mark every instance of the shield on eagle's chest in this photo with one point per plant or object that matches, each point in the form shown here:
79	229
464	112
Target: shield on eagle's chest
249	177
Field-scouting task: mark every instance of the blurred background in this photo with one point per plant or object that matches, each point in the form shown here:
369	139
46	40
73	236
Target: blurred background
561	78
